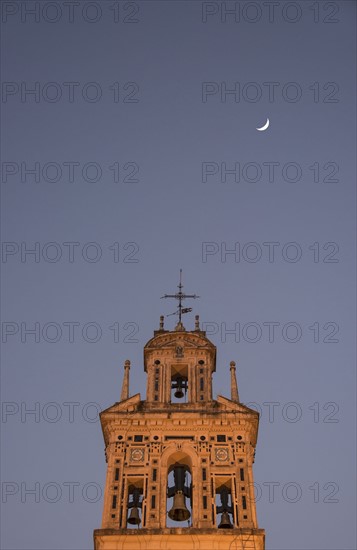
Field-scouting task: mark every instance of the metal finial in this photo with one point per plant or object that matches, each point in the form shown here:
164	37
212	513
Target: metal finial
180	296
161	322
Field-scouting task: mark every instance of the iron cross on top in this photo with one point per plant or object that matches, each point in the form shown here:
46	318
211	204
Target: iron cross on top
180	296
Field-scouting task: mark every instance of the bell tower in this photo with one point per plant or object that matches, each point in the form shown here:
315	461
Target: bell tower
179	470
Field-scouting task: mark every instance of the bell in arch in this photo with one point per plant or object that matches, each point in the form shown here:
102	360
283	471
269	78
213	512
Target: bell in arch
225	509
179	388
179	510
134	517
225	521
134	505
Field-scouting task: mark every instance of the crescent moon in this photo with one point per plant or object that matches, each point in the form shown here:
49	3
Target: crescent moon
266	125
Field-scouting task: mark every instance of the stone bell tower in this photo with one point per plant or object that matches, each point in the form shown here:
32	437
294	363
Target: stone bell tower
179	462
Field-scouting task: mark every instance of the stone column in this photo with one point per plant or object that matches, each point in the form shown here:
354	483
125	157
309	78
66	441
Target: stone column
125	386
234	386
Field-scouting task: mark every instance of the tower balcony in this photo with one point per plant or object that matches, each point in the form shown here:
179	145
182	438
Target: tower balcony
179	539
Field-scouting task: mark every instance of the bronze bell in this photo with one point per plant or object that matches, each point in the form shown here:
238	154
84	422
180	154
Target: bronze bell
179	512
225	521
179	393
134	518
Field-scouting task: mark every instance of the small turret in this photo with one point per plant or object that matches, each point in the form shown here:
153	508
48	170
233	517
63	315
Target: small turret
234	385
125	386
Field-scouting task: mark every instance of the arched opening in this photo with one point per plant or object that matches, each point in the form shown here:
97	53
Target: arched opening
179	383
179	491
224	504
134	517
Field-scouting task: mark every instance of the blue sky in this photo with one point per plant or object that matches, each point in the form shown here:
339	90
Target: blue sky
116	173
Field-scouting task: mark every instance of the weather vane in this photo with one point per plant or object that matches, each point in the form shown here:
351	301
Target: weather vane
180	296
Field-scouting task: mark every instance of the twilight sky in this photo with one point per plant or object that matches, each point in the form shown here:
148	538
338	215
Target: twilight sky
129	151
